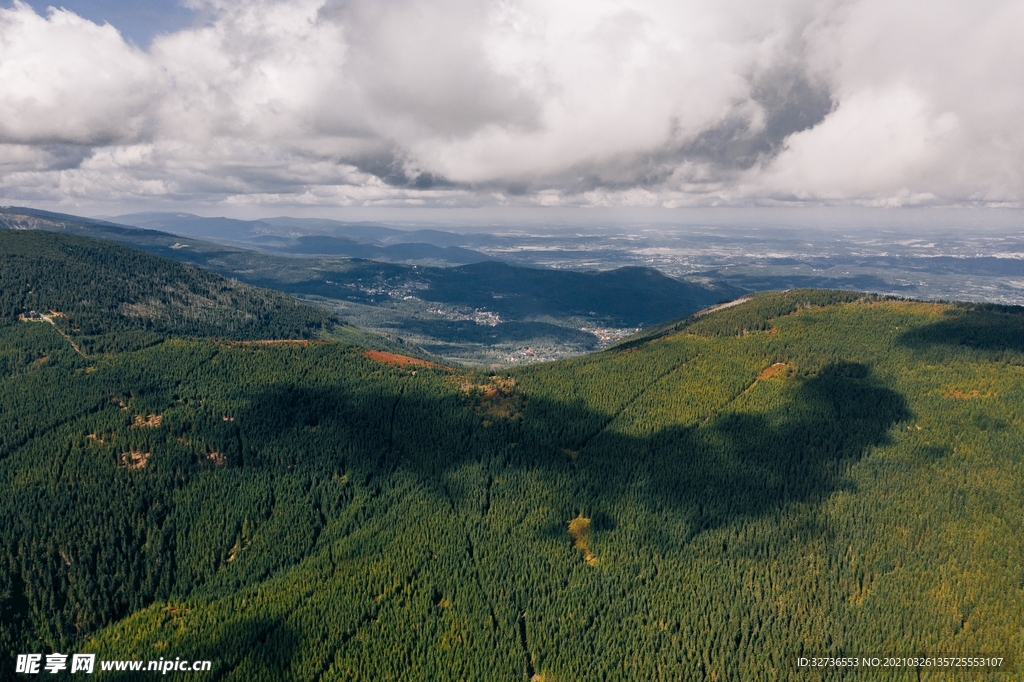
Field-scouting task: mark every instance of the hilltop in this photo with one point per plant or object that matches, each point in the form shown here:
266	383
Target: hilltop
105	297
808	472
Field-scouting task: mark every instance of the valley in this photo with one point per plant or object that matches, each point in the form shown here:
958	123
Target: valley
929	256
486	314
811	472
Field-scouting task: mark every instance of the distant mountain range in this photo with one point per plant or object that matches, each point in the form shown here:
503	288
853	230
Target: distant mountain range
316	237
194	469
428	306
926	263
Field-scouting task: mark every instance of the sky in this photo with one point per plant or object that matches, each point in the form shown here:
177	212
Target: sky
270	107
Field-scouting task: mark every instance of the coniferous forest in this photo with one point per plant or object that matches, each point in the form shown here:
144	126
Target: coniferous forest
195	468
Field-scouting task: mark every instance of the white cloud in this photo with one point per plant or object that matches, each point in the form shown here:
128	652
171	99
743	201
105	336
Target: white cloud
875	144
66	80
929	95
448	102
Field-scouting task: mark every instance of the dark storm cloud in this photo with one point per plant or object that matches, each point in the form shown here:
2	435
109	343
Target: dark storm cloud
790	103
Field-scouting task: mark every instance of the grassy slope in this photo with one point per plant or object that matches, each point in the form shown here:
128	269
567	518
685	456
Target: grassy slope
380	522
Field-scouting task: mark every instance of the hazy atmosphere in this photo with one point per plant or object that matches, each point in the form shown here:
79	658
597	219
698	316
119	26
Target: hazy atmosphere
267	107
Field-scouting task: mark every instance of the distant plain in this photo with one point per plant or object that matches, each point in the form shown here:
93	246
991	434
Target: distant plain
516	294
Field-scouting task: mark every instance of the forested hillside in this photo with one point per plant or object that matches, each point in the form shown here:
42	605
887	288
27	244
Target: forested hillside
627	296
477	314
105	295
805	473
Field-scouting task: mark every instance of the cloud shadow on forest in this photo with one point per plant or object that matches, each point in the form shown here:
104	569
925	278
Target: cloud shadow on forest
733	466
264	645
744	465
979	327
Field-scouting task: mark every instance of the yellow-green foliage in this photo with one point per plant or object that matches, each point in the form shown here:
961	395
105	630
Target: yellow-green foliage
867	499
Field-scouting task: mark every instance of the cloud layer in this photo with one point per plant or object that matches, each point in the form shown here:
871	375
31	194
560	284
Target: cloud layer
464	102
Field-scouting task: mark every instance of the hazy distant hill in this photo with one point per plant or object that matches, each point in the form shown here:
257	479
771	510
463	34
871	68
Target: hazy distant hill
201	227
807	473
627	297
540	309
927	262
277	235
313	245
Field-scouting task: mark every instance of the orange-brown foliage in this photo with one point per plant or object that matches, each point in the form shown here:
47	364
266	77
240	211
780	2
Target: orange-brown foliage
135	459
772	370
150	421
960	395
498	398
396	359
579	530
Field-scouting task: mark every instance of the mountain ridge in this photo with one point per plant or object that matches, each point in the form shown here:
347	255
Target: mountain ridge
807	472
505	309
